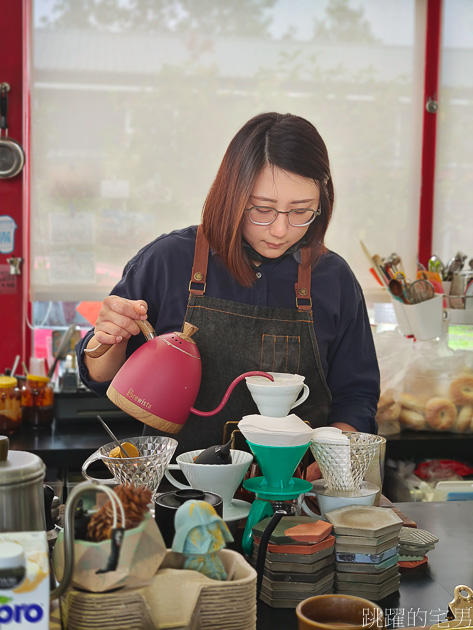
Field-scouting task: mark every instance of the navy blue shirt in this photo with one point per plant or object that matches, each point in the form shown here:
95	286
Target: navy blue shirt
160	274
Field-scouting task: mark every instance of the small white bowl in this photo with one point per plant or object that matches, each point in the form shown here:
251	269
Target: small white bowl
329	500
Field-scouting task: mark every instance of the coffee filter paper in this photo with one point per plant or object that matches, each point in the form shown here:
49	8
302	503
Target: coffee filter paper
268	431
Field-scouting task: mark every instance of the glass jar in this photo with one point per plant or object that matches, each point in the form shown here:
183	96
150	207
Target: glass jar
10	405
37	401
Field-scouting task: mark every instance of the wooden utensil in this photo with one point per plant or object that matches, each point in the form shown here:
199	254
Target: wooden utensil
375	263
397	289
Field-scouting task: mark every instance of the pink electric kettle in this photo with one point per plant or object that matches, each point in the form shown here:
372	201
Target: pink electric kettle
160	381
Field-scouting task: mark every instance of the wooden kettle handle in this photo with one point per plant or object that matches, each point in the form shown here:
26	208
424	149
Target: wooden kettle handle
145	327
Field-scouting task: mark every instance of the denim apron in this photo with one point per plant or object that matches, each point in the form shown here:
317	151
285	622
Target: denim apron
234	338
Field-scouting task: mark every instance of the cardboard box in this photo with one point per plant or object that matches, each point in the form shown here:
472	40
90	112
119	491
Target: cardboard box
27	604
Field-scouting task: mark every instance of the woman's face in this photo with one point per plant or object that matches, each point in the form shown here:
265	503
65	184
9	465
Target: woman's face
283	191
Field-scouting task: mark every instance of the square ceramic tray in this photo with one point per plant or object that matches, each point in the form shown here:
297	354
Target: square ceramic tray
299	594
295	587
311	558
278	576
361	567
366	549
368	578
366	540
279	537
369	591
413	550
299	548
288	603
414	536
369	558
364	520
298	567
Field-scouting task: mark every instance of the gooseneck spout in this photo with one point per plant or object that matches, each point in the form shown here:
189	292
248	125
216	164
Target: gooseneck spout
229	391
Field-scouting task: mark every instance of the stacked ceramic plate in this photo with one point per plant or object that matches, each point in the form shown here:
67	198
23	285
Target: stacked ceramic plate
299	560
366	550
413	547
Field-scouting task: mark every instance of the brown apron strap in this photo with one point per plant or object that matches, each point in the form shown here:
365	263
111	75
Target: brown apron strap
201	260
199	268
302	286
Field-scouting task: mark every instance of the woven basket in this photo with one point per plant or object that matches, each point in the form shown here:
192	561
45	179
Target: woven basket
175	598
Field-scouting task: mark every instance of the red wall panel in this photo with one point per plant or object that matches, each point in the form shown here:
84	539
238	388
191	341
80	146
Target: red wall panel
431	92
13	290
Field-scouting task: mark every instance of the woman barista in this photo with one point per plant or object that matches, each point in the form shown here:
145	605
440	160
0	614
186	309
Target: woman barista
259	284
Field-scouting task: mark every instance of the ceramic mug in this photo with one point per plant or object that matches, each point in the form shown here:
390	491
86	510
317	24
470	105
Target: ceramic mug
222	479
330	612
329	501
276	398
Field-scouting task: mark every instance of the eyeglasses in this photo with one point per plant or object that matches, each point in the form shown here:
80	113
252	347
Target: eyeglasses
298	217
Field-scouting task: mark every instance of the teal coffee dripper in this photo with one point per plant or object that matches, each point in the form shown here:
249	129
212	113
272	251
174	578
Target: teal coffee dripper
277	488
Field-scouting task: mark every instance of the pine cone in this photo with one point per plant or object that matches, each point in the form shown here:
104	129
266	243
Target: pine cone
135	504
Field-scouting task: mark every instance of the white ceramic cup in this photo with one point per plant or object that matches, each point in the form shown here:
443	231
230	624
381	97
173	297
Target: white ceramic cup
276	398
222	479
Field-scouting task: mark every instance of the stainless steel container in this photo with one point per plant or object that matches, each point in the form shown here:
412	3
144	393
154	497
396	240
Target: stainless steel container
21	490
461	291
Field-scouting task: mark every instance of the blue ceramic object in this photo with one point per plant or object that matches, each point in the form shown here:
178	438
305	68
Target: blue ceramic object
200	534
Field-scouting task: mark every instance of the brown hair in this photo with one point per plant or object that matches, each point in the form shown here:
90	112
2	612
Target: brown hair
288	142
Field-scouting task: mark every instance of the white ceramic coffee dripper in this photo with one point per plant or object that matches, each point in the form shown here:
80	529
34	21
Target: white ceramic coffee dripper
222	479
277	399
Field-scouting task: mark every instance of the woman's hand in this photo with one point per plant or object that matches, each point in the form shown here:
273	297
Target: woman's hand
116	323
117	319
313	472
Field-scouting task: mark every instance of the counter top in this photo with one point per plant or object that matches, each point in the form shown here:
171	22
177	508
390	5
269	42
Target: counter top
67	444
430	444
425	592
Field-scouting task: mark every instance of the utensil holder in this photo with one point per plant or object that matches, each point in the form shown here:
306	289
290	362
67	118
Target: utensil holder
424	320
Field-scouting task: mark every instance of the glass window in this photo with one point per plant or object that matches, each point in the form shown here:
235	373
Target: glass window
134	103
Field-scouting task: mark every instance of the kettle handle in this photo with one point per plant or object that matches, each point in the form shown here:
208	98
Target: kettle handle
69	549
93	458
145	327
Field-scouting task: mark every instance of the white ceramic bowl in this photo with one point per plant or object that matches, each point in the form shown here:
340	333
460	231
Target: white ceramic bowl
329	500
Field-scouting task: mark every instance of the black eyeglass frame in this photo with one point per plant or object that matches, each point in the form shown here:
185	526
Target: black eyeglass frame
315	214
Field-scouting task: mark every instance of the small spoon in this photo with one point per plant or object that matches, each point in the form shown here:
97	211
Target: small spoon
107	428
397	289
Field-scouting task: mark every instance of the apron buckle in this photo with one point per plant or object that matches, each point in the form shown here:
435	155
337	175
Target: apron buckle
304	304
197	291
